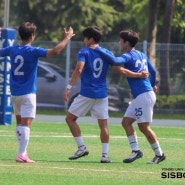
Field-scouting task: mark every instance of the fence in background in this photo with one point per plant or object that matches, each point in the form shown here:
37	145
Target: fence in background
67	60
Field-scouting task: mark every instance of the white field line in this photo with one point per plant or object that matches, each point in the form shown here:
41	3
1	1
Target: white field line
79	169
86	136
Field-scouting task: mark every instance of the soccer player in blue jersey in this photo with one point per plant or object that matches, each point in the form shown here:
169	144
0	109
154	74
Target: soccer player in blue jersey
144	98
24	62
93	93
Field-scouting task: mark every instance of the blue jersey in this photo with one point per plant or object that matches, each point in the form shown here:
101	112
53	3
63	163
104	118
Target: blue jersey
24	62
135	61
93	77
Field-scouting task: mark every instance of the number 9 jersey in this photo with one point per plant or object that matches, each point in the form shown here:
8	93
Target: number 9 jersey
93	76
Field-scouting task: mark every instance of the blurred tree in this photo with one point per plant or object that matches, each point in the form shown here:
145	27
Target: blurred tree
152	29
51	16
132	15
178	23
164	52
1	12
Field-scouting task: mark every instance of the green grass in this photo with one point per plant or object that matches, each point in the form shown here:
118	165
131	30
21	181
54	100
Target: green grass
51	144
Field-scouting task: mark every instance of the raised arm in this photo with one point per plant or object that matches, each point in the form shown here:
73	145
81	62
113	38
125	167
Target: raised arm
59	47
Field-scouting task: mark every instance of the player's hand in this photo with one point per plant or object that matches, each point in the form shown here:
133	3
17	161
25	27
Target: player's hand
155	89
69	34
66	95
143	74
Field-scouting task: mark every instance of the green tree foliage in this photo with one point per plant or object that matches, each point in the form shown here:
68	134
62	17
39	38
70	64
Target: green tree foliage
178	23
1	12
51	16
164	55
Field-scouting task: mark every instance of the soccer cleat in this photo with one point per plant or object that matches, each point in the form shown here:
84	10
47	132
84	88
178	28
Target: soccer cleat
79	153
157	159
133	156
105	159
23	159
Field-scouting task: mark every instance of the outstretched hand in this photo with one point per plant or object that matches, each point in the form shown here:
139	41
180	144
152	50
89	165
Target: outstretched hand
69	34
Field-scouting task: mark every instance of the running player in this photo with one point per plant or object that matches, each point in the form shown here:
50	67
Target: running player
143	91
93	93
24	62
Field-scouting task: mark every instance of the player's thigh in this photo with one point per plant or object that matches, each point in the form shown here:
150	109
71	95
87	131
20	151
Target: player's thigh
28	106
100	109
130	111
81	105
16	103
144	108
24	106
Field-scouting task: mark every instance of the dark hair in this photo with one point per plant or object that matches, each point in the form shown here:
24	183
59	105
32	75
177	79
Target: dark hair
26	29
93	32
130	36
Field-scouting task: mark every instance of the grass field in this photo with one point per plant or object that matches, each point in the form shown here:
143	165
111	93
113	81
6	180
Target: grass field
51	144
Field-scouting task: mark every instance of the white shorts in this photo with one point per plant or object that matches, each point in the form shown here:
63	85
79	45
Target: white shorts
141	108
24	105
97	107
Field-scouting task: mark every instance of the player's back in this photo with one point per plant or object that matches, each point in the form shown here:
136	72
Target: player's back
137	62
93	77
24	61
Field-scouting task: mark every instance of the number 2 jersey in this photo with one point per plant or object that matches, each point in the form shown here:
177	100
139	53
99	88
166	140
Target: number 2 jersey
93	76
24	62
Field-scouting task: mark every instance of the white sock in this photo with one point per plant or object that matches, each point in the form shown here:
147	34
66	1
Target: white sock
157	149
133	142
80	142
105	149
23	135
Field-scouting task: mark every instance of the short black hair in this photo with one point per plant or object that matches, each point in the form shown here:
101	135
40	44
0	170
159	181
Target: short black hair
26	29
93	32
130	36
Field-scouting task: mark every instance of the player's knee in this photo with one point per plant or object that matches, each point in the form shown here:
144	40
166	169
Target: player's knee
125	124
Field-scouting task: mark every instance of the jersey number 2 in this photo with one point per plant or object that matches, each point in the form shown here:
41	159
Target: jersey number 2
19	59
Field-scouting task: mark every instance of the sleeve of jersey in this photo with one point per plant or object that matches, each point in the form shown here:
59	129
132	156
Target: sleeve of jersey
152	73
40	52
81	56
4	51
109	56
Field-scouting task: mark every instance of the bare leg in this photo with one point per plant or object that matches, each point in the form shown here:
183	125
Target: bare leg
151	137
104	132
127	124
104	137
148	132
72	124
76	132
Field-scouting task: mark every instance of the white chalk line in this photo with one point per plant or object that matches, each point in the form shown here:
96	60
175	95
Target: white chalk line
88	136
78	169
